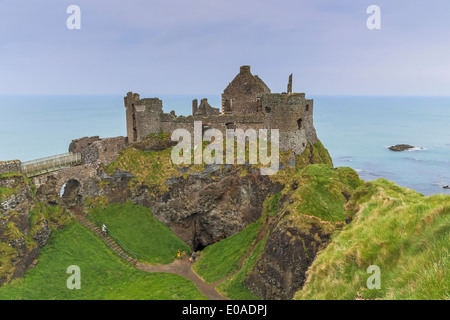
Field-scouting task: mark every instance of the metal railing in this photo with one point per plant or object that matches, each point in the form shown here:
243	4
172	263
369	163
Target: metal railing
45	165
114	237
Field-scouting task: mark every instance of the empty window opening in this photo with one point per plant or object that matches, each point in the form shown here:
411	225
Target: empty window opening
205	127
229	125
133	114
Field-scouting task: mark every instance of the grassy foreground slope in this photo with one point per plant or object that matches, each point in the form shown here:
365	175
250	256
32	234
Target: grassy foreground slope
103	274
404	233
136	227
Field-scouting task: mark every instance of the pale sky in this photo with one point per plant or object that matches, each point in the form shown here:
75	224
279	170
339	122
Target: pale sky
197	46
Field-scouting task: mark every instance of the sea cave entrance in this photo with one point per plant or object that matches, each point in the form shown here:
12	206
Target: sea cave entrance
197	245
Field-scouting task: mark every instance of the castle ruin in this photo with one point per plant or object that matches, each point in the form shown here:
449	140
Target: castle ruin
247	102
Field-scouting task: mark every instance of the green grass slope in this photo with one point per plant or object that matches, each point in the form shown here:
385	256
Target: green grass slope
136	227
233	287
222	258
322	191
404	233
104	275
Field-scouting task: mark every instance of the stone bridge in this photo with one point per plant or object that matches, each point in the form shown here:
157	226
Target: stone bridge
80	164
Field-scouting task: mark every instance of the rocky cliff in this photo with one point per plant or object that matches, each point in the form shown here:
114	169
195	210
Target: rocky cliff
310	210
207	207
25	225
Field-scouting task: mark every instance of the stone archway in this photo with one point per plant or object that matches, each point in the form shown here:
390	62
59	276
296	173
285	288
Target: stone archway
71	196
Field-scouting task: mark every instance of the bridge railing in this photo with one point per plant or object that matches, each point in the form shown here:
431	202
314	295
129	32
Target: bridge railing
49	164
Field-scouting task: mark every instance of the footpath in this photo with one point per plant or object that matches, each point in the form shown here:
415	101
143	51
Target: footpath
181	267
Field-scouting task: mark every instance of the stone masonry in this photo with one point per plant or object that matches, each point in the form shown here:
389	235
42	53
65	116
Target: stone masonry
10	166
247	102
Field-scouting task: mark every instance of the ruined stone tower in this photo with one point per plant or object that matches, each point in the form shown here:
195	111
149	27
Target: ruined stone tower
247	102
143	116
243	93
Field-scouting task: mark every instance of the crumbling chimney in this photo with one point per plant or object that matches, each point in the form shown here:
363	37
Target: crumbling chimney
245	69
194	106
289	88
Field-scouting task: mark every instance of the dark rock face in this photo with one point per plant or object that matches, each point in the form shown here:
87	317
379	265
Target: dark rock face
205	208
116	186
401	147
289	251
19	202
47	193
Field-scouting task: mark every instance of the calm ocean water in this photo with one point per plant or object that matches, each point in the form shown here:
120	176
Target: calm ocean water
355	130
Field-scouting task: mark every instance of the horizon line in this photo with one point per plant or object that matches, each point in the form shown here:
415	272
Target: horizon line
212	94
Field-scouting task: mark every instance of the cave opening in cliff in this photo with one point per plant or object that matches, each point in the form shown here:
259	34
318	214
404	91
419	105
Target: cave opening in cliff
197	245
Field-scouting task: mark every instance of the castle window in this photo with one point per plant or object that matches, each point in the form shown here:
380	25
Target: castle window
205	127
267	109
299	123
133	115
307	107
258	105
230	125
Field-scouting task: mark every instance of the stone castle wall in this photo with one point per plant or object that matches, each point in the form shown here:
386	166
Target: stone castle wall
96	150
130	115
246	104
10	166
290	114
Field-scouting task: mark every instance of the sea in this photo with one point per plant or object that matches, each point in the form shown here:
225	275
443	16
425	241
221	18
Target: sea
356	130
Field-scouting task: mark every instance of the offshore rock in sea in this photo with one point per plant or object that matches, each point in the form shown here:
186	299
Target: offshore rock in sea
401	147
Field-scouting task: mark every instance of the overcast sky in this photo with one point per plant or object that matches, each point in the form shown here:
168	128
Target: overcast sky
197	46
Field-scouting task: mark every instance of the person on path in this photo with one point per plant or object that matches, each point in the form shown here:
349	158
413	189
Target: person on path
104	229
193	256
179	254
